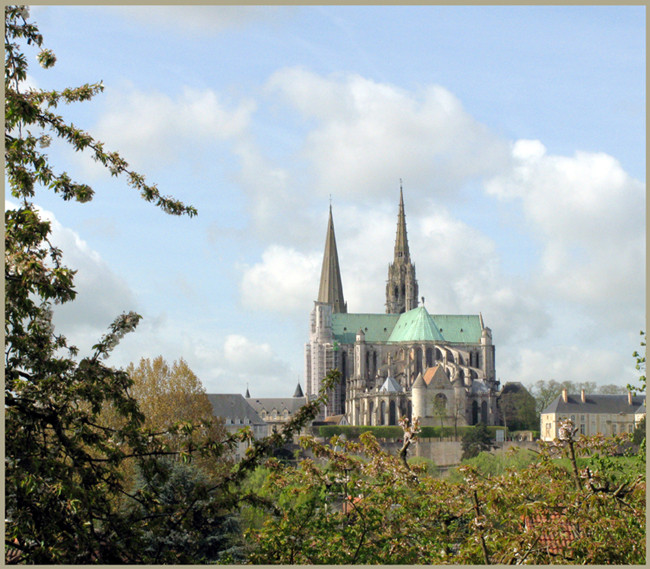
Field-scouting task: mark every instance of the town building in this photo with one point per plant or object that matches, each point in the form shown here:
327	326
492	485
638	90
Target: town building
593	414
403	362
236	413
276	411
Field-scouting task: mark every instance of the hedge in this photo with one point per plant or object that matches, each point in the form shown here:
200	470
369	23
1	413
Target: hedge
394	432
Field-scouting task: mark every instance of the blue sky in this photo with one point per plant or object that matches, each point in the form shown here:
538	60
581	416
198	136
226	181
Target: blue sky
519	133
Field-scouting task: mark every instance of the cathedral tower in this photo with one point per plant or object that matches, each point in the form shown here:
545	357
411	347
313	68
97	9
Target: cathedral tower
401	287
331	289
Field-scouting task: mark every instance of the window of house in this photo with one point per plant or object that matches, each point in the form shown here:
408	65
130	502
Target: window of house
582	429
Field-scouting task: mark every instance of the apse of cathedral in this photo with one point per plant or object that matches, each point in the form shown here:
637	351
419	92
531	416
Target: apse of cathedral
404	361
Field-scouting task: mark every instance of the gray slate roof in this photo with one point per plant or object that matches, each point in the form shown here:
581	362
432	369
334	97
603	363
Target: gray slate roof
292	404
596	404
233	406
391	386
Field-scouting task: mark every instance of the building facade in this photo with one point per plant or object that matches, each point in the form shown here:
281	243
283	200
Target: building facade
593	414
404	361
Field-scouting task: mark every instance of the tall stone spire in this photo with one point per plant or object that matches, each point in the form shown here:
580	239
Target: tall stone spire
401	241
331	289
402	286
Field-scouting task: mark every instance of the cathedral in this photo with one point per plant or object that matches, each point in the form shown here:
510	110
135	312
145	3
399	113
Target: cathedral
404	361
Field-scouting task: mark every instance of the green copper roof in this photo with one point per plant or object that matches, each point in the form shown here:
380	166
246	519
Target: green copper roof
414	326
459	329
376	327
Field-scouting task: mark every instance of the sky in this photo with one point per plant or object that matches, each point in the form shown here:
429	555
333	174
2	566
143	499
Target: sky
518	134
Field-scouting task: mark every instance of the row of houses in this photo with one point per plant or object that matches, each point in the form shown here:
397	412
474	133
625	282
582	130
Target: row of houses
591	414
262	415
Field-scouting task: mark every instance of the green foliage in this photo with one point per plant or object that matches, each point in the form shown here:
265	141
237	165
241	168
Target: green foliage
355	504
495	464
476	441
355	431
640	366
395	432
517	408
639	432
68	496
188	523
429	467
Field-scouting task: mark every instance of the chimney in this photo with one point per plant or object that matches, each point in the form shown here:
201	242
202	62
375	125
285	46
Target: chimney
565	396
582	396
629	397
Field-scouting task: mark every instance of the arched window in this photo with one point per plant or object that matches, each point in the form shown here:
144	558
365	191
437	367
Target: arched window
440	401
371	415
474	412
382	413
392	414
429	357
484	413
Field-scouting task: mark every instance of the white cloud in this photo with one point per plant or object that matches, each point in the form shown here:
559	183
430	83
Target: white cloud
244	356
101	297
566	362
282	282
367	135
589	216
153	128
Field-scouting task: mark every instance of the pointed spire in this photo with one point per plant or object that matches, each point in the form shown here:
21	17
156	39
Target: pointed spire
331	288
401	286
298	392
248	395
401	240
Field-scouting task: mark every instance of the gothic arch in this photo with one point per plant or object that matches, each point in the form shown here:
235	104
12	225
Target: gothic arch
484	413
382	413
429	357
392	413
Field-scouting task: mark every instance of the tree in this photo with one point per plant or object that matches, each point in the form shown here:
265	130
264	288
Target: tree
440	409
545	391
209	534
517	408
475	441
67	500
640	366
62	484
168	393
356	504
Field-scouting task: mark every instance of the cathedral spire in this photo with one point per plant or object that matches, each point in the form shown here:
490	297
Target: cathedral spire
331	288
401	240
402	286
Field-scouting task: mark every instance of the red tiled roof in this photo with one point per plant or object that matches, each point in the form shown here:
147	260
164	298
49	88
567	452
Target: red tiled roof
556	532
